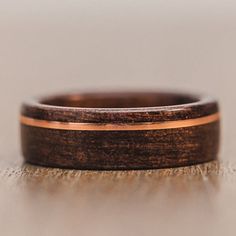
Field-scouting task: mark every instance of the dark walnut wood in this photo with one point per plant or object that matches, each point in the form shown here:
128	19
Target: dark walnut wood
119	149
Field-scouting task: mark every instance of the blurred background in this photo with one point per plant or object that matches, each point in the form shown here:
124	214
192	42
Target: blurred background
49	46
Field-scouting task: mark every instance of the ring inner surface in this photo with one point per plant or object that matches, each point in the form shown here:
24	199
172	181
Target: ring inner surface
119	100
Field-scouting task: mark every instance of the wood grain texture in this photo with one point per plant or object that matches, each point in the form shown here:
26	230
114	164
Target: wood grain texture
139	149
196	200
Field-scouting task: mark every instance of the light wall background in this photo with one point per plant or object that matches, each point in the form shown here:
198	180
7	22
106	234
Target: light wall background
48	46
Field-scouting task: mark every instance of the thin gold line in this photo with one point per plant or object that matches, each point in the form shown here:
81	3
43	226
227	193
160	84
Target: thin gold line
119	127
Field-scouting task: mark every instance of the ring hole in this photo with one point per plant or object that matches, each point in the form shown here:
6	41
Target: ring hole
119	100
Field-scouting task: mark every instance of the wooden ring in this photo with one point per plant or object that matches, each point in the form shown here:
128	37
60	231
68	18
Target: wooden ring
134	130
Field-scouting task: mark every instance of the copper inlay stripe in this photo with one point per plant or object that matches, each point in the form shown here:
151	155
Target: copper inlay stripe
126	126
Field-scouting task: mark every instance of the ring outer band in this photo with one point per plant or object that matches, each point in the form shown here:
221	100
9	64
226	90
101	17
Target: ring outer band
118	139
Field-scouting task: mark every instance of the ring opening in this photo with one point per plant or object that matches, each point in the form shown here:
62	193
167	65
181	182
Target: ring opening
119	100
